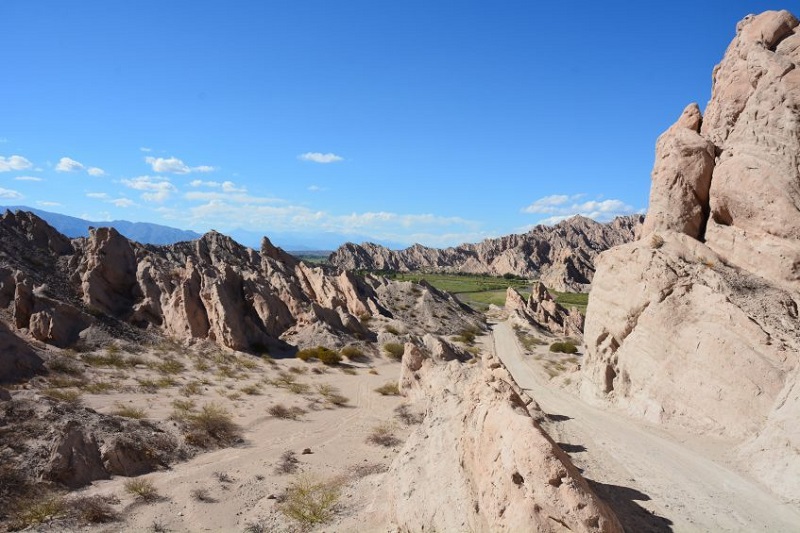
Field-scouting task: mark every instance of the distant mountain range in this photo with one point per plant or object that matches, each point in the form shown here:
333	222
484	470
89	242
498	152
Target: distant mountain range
147	233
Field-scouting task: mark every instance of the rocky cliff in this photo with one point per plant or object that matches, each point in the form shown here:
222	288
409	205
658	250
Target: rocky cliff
561	255
487	462
696	323
59	291
542	311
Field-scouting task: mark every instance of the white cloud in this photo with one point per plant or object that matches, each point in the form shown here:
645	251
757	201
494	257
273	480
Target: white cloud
98	195
15	162
48	204
174	165
238	197
97	172
8	194
226	186
28	178
122	202
145	149
318	157
316	188
201	183
156	189
67	164
562	206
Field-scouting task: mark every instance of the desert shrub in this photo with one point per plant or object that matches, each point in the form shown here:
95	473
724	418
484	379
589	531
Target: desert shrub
287	464
466	335
192	388
391	329
383	435
298	370
656	241
202	495
170	366
142	489
94	509
563	347
349	371
394	350
223	477
98	387
254	527
70	396
65	365
324	355
352	351
38	510
252	389
332	394
390	388
129	411
287	413
211	426
310	502
407	416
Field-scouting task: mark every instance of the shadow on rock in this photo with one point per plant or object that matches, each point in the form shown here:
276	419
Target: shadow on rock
633	516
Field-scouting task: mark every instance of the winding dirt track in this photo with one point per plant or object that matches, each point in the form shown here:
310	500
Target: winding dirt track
655	481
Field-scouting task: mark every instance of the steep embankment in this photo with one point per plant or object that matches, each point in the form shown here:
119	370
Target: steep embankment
561	255
697	322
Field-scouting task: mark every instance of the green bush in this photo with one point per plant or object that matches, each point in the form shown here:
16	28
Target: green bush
394	349
324	355
563	347
352	351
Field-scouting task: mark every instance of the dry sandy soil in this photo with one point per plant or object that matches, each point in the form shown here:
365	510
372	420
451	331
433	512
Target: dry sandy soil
655	480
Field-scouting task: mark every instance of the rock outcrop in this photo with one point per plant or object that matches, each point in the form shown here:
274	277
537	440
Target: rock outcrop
488	464
561	255
57	291
697	322
542	311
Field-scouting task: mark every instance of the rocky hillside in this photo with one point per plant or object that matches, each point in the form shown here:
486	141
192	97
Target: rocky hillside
562	256
696	323
65	292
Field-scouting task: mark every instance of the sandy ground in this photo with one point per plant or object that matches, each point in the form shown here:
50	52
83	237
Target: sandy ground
655	480
240	484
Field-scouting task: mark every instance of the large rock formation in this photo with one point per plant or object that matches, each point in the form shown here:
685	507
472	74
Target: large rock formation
561	255
542	311
488	464
57	291
697	322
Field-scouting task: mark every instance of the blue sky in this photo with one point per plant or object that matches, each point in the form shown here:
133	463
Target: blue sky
415	121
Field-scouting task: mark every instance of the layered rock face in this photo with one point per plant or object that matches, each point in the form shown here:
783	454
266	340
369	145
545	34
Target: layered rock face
561	255
488	464
697	322
542	311
56	290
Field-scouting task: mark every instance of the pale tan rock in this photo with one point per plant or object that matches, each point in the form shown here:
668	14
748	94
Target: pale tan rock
705	334
487	464
681	178
542	311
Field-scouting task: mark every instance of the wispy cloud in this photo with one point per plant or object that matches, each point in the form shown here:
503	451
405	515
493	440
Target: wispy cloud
48	204
67	164
122	202
28	178
9	194
225	186
145	149
173	165
96	172
156	189
316	188
14	162
318	157
97	195
562	206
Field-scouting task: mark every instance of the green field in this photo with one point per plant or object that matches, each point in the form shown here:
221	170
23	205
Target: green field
480	291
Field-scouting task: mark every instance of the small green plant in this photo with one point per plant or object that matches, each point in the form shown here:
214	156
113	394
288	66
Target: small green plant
383	435
70	396
38	511
389	388
310	502
65	365
202	495
129	411
98	387
192	388
352	351
324	355
332	395
563	347
142	489
394	350
211	426
287	413
170	366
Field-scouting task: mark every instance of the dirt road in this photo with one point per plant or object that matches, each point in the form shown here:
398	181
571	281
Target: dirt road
654	480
